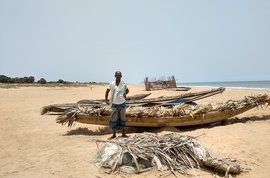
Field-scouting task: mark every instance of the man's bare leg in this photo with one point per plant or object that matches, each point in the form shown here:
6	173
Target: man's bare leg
124	132
114	135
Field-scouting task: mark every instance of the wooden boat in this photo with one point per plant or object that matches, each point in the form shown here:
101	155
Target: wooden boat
186	120
196	117
179	89
160	101
175	100
60	108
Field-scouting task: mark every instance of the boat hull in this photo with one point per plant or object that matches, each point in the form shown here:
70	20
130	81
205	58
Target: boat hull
187	120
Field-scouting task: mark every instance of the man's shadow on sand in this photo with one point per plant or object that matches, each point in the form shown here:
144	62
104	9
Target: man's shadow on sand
107	130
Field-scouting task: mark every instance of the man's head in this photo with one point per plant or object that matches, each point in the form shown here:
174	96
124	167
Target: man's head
118	75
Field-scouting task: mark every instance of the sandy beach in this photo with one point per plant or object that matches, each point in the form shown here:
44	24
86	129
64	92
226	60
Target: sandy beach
33	145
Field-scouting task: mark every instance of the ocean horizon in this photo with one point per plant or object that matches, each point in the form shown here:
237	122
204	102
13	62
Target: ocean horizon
258	85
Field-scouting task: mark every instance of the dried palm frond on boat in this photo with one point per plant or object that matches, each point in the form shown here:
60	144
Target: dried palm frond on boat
178	115
173	152
165	101
60	108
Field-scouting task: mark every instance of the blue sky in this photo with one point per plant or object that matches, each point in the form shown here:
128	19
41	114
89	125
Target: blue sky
86	40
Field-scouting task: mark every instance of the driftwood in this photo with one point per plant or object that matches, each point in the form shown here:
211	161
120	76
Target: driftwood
129	99
179	115
165	101
173	152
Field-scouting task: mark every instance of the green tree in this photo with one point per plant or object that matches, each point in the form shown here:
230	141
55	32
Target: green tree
42	81
60	81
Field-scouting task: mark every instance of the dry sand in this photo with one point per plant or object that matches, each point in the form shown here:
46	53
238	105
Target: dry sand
32	145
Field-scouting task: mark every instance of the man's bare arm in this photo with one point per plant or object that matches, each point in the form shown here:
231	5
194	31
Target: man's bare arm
106	96
125	94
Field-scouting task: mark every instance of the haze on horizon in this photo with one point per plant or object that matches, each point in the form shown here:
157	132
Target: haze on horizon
86	40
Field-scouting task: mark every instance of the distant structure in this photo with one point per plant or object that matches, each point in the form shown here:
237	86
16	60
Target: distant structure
160	84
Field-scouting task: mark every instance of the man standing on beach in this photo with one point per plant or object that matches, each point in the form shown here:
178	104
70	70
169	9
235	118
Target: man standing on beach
119	91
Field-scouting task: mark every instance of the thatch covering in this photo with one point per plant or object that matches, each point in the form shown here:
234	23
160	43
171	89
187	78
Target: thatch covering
165	112
173	152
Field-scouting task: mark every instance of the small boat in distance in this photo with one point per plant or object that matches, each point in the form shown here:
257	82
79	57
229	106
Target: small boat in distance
179	89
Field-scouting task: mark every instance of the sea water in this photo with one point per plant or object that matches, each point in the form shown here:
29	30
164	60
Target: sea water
257	85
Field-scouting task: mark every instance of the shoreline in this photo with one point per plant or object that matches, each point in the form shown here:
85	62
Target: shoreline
236	88
76	85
